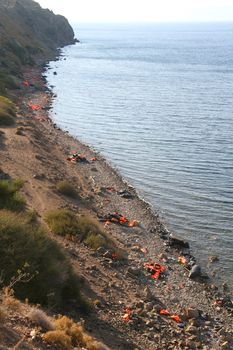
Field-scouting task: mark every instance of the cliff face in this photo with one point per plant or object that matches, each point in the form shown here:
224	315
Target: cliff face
27	30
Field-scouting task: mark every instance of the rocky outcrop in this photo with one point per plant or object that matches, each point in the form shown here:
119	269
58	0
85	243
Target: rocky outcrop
27	30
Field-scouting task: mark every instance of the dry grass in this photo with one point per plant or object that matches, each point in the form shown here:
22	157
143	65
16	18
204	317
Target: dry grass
71	335
2	315
9	301
58	338
40	318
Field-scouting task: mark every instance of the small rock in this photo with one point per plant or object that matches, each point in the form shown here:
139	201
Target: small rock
213	258
148	294
177	242
225	345
149	306
134	271
195	271
191	329
192	313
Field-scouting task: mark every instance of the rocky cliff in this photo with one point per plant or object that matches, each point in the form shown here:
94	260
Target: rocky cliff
27	31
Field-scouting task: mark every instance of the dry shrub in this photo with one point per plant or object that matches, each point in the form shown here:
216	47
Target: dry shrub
76	334
67	189
2	316
9	301
40	318
59	338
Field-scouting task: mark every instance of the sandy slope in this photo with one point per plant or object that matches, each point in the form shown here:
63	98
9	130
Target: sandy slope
36	151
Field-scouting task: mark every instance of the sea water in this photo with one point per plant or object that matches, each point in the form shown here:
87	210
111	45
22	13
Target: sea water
157	101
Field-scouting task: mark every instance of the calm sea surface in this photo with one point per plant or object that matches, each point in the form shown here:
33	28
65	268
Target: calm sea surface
157	101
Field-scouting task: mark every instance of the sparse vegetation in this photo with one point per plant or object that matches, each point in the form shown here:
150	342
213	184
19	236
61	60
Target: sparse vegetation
22	242
7	111
62	222
66	189
70	335
10	198
65	222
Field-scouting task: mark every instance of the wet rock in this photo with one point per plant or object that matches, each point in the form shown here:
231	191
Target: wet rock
213	258
176	242
125	194
195	271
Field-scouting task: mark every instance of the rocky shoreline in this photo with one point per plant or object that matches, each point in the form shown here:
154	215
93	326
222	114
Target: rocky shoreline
179	308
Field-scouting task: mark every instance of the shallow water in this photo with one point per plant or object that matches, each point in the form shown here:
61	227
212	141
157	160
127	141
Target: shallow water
157	101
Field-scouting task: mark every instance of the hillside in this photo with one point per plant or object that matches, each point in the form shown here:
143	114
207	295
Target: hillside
27	31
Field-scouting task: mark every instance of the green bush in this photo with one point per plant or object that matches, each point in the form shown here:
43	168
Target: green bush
10	198
62	222
65	222
25	244
67	189
7	112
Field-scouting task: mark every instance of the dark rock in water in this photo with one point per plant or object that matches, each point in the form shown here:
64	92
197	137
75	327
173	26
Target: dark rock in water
177	242
125	194
195	271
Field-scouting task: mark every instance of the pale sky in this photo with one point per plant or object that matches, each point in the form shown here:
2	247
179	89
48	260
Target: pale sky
141	10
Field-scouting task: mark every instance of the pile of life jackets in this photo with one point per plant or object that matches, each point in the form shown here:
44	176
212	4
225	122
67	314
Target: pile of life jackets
117	218
75	158
154	269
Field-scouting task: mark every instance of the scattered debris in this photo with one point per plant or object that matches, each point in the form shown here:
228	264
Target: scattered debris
117	218
34	107
182	260
76	158
127	315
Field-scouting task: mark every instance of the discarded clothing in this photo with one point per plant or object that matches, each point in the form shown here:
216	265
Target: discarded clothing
25	83
127	316
154	269
175	318
182	260
75	158
34	107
